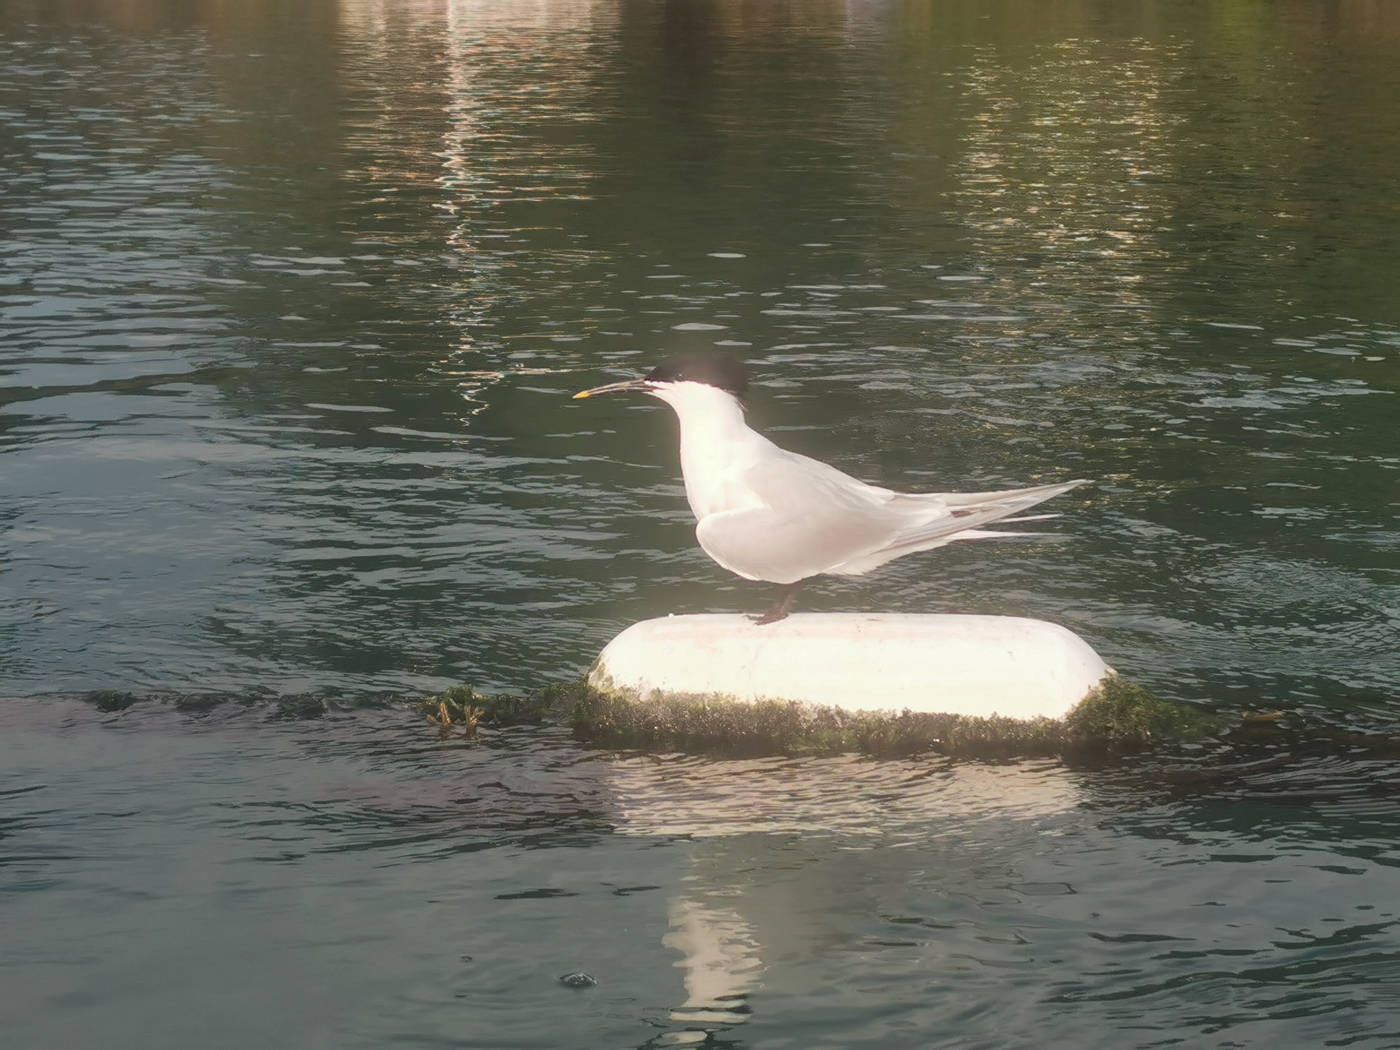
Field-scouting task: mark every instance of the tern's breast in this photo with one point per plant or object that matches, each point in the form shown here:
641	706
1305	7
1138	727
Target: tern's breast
717	448
715	483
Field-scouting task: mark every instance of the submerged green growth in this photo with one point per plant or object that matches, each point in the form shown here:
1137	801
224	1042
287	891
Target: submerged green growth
110	700
1118	715
1115	717
284	707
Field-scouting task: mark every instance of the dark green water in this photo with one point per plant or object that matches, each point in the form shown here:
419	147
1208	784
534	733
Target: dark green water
292	298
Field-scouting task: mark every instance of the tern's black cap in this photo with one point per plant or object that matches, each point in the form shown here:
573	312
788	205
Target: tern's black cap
717	370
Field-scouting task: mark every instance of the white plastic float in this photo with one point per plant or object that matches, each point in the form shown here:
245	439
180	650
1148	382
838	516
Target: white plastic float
952	664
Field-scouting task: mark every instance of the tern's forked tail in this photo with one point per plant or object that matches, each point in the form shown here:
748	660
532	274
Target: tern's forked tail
956	516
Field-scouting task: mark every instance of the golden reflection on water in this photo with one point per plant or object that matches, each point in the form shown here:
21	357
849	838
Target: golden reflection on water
1065	162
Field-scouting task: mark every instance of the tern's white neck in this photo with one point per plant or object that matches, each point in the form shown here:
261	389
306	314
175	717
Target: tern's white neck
715	441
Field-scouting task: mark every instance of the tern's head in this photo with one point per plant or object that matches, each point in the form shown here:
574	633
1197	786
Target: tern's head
683	376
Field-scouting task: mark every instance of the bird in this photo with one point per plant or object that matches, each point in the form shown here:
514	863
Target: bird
768	514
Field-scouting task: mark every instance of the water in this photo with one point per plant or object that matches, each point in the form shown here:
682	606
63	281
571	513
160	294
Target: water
291	304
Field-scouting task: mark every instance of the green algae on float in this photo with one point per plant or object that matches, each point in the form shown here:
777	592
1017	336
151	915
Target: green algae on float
1116	716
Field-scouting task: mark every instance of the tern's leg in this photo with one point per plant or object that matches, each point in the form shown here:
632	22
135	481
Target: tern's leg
779	609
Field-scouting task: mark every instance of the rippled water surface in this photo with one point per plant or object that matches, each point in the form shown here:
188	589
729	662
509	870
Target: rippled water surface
292	298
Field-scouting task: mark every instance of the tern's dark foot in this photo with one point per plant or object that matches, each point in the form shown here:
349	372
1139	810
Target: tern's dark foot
774	613
779	609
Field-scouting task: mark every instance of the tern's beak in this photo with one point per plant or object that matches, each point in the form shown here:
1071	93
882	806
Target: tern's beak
616	388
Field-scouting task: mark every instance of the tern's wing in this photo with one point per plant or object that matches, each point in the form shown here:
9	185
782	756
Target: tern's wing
805	517
797	517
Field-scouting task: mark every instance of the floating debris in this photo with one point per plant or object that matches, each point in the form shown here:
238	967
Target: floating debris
456	713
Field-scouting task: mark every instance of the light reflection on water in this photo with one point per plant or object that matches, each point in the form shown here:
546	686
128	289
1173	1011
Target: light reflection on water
325	373
291	304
